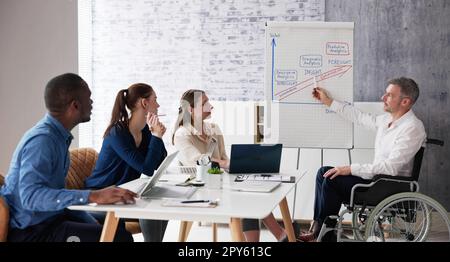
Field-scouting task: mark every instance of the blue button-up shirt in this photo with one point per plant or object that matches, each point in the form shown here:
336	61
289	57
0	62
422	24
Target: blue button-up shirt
34	188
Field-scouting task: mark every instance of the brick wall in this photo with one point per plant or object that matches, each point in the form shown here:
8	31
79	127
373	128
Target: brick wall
213	45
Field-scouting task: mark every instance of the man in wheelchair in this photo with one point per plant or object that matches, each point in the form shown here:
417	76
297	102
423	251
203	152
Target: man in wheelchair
400	135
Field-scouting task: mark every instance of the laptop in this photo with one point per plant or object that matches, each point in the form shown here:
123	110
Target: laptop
150	190
255	158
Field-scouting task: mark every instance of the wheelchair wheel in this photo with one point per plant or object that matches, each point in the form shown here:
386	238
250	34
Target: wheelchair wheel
408	217
359	219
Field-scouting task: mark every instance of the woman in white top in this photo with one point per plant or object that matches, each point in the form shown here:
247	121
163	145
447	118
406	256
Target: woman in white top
194	137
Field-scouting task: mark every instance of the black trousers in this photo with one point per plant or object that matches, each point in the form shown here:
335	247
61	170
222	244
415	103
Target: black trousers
153	230
71	226
249	224
331	193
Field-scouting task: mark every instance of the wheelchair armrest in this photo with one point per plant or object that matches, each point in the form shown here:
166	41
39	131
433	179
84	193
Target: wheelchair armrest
399	178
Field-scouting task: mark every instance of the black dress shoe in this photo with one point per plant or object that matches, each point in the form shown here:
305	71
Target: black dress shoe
329	237
308	237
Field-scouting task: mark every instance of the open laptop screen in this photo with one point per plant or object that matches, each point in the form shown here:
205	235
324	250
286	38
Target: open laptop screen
255	158
159	172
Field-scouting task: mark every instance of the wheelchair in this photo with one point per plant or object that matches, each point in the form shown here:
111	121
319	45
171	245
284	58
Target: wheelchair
391	209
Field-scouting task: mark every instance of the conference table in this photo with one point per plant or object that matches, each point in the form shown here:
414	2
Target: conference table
232	207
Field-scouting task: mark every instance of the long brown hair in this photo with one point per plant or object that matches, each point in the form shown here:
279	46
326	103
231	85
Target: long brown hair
187	100
127	98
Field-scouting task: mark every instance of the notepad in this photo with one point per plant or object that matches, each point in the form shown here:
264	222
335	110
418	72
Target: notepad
262	177
178	203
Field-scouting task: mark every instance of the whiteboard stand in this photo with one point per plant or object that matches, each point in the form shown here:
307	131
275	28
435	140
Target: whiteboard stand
321	156
299	55
295	189
349	156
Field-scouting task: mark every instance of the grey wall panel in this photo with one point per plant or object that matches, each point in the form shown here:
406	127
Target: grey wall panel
410	38
38	40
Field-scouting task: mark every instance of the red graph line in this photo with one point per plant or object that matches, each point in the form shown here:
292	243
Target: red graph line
280	93
282	98
338	71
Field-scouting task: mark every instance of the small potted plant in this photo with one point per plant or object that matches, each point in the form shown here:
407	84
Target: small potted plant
214	178
215	170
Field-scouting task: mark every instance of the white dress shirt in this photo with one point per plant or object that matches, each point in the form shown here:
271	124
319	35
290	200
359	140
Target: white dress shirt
395	146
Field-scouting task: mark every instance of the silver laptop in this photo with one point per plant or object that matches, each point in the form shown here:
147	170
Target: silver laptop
150	190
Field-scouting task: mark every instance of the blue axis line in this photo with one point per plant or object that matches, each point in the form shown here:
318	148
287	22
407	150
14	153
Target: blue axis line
273	65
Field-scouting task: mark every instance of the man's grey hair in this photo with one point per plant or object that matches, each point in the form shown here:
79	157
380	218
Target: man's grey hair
408	87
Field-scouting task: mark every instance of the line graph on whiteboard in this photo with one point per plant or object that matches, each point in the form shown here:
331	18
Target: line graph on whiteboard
293	80
299	57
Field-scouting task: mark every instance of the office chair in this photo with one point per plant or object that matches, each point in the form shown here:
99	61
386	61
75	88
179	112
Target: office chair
82	163
4	215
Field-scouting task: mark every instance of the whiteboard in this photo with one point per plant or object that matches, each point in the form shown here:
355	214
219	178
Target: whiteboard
365	138
299	56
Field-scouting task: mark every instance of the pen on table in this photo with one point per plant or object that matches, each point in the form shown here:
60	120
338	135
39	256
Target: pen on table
194	201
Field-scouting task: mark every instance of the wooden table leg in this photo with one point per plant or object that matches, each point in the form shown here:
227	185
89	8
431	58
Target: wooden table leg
236	230
109	227
185	228
287	220
214	231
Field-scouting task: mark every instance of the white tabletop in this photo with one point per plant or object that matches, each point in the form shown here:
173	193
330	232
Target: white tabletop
234	204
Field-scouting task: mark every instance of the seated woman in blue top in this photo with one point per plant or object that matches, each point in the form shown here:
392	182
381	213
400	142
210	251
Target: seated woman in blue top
132	146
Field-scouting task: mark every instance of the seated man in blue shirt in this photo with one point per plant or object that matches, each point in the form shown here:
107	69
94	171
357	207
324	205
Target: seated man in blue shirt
34	188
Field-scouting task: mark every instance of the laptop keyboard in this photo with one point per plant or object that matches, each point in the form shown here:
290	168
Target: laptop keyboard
265	177
188	169
169	192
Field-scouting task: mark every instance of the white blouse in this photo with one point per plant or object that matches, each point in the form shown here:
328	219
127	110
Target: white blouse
191	145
